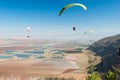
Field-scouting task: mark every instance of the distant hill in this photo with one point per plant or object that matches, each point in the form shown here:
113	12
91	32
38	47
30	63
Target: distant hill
107	48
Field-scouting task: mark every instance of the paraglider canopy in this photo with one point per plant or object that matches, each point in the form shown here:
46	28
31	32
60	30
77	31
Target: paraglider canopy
72	5
28	29
89	31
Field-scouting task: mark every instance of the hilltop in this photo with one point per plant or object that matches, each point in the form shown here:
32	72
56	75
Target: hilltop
107	48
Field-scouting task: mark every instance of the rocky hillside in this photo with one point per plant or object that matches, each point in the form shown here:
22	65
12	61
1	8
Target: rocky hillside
107	48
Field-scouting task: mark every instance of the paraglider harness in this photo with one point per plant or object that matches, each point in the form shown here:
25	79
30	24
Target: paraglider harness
74	28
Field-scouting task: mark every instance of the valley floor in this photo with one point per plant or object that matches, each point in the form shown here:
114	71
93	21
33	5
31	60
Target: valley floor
24	68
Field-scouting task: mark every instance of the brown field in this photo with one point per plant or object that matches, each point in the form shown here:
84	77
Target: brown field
35	67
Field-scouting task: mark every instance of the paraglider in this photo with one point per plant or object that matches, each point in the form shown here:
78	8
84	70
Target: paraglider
72	5
88	35
28	30
74	29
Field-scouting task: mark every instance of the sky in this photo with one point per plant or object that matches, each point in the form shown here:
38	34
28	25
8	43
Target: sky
102	16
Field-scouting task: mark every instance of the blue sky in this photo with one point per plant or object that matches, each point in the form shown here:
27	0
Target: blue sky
103	16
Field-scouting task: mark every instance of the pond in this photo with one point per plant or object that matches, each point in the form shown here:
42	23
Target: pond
5	57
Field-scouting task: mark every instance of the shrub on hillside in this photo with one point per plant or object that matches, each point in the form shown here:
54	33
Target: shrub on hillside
110	76
93	76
